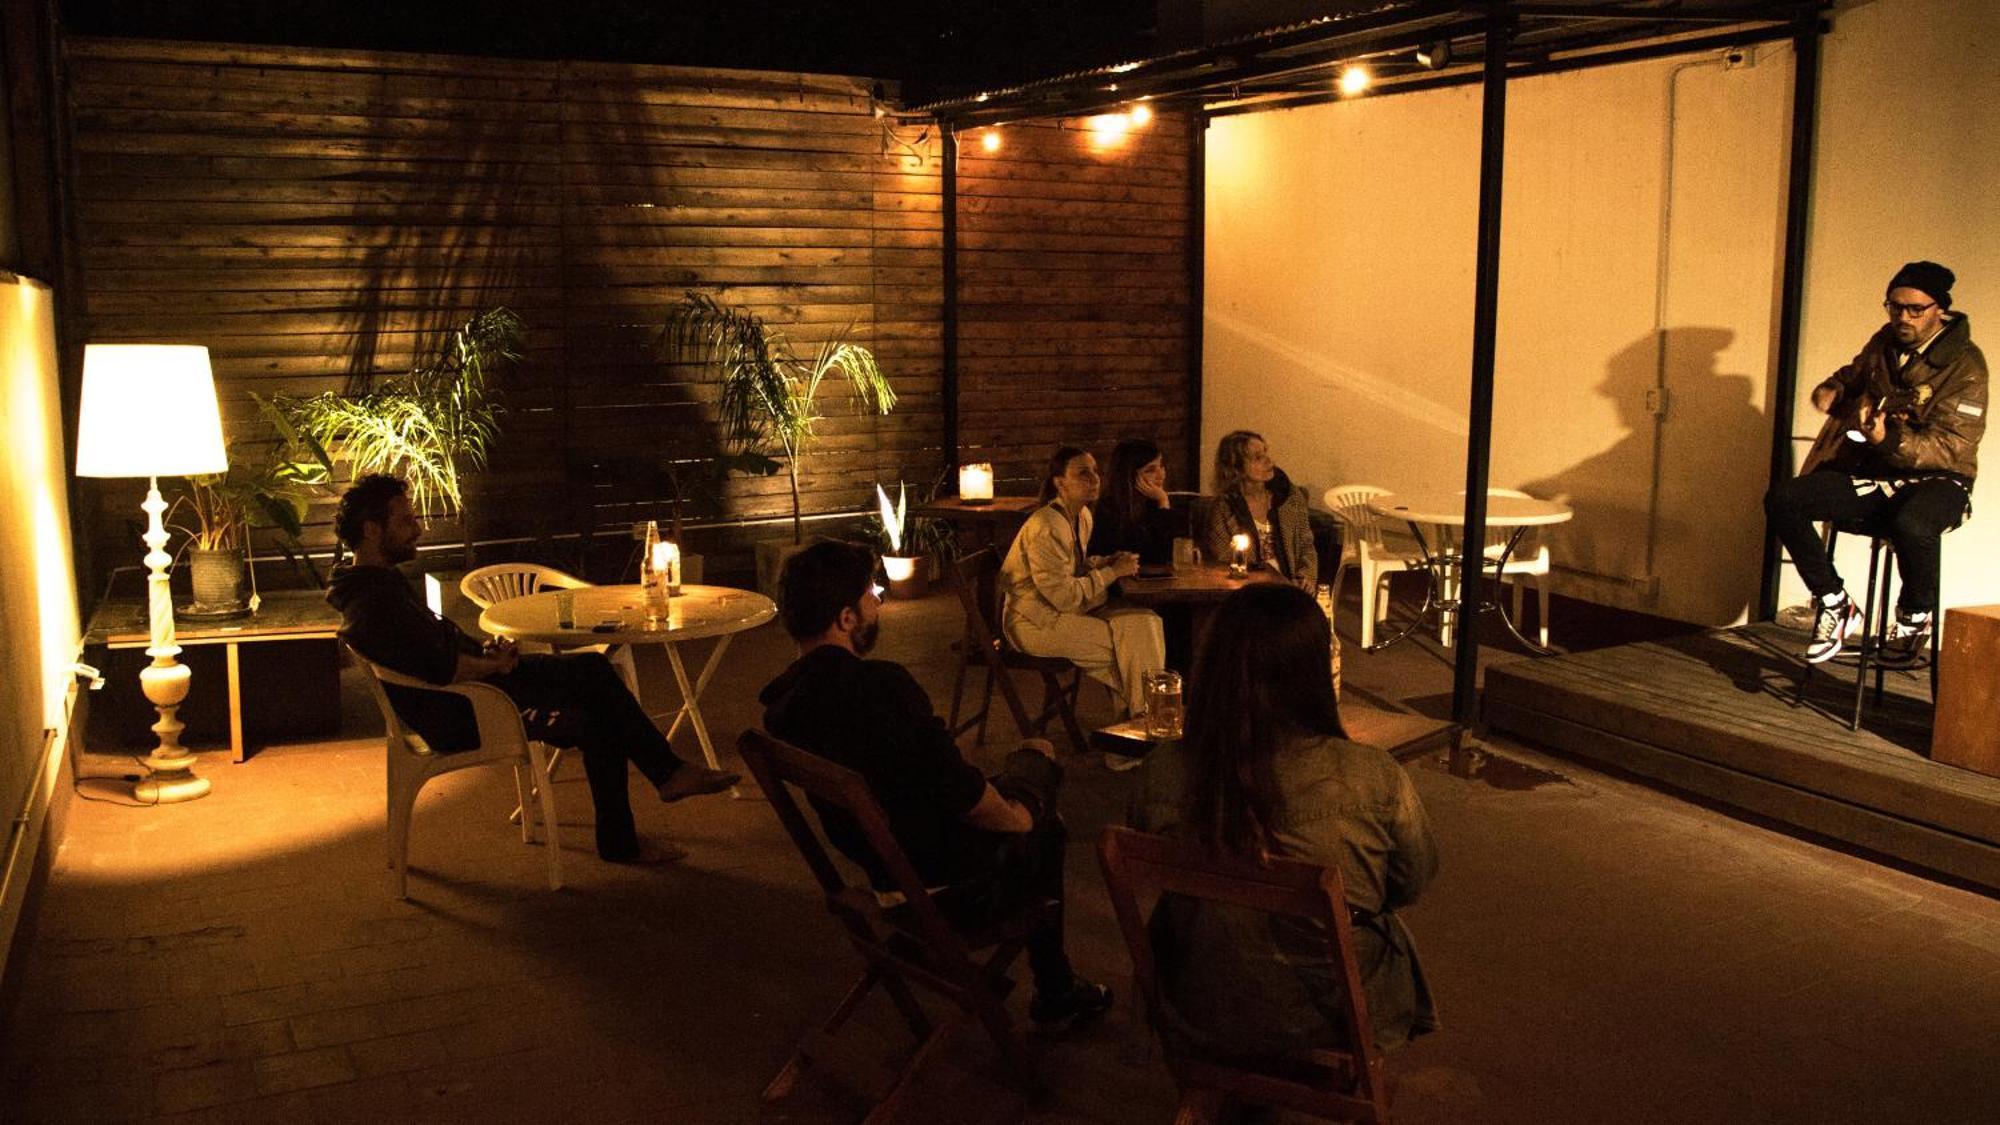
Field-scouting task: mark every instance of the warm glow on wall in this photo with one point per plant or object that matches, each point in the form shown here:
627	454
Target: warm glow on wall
1354	80
990	140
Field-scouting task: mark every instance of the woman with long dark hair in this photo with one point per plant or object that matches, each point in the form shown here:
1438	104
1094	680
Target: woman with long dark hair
1057	594
1135	513
1266	769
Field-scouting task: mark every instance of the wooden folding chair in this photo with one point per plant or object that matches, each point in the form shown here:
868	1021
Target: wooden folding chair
1335	1085
985	645
905	944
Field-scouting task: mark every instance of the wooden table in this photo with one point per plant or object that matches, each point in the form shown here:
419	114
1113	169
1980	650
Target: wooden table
286	615
697	612
982	525
1201	588
1444	513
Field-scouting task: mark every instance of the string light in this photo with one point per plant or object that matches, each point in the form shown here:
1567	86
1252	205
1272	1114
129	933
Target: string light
990	140
1141	115
1354	80
1109	128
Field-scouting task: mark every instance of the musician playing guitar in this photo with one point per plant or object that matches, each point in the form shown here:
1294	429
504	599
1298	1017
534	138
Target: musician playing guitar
1898	453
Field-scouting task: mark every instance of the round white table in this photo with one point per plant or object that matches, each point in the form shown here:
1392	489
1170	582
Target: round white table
1444	512
618	615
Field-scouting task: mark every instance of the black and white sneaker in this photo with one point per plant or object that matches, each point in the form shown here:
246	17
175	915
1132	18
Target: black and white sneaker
1838	619
1908	644
1080	1005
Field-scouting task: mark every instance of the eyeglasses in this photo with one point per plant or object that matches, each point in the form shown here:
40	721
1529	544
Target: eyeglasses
1898	309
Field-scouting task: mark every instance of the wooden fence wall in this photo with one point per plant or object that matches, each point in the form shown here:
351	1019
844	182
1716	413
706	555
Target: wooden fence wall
1074	291
318	218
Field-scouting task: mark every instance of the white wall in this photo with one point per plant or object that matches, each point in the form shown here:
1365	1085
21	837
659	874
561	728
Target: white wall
1339	284
1908	160
1339	307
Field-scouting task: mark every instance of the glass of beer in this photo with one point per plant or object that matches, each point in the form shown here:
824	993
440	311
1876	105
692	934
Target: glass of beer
1163	704
1186	556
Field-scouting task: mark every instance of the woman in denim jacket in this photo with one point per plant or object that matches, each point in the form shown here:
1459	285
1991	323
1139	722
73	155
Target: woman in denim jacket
1266	769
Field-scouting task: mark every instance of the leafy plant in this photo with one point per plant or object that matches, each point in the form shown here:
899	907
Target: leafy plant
768	392
268	483
898	533
430	426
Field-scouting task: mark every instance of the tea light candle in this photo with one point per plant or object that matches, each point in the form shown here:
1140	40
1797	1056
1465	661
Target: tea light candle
1239	556
975	483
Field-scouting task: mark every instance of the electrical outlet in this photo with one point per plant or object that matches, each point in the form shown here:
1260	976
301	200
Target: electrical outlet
1656	401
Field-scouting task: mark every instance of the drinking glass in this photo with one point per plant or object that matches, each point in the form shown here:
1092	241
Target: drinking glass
1163	704
1186	556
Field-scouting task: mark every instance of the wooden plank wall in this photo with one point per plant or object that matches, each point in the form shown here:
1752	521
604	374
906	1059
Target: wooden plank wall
318	217
1073	278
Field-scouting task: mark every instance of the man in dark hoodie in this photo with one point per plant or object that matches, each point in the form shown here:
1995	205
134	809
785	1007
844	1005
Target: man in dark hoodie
574	700
993	846
1899	455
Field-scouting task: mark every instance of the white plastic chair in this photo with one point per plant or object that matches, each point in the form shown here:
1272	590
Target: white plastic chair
497	583
502	739
1529	560
1367	542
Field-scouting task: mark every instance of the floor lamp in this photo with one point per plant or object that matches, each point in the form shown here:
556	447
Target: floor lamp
149	411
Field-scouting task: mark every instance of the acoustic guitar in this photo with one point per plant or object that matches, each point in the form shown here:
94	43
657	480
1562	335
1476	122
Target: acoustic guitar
1846	430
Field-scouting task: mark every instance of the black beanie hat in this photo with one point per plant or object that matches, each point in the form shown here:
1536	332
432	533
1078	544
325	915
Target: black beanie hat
1933	279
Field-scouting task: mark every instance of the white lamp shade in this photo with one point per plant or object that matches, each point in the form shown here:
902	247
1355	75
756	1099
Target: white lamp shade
148	411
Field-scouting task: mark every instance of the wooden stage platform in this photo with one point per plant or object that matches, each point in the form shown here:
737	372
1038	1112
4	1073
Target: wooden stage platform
1711	713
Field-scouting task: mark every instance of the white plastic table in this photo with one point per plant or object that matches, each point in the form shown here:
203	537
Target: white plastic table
1444	513
617	615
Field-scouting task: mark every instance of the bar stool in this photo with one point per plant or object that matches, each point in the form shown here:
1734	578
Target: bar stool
1876	615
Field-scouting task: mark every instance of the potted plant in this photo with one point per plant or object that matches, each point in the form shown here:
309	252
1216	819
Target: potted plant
769	393
431	426
912	546
269	483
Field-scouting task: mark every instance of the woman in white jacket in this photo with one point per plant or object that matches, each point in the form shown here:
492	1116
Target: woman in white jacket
1057	595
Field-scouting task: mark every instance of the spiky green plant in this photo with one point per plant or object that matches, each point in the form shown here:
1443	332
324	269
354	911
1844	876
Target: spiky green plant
768	393
430	426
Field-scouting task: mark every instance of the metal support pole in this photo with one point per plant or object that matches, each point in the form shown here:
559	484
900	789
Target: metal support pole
949	389
1798	201
1485	309
1197	273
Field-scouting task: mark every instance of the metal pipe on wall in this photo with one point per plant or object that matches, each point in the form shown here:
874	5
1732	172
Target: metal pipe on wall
949	386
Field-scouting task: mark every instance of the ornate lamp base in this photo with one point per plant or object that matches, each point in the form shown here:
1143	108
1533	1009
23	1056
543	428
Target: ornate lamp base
165	680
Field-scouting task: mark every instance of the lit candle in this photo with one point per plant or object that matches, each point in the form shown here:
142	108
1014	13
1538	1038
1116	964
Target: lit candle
667	564
975	483
1239	557
897	568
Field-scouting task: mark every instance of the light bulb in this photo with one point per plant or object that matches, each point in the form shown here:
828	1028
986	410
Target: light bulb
1141	114
990	141
1354	79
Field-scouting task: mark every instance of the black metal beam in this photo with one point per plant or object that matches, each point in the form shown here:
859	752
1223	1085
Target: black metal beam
1791	285
949	389
1744	37
1197	273
1485	322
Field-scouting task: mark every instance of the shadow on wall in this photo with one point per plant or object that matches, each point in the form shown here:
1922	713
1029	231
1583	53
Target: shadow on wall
1678	497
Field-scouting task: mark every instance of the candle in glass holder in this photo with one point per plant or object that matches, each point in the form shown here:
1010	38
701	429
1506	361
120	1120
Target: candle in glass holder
975	483
1239	556
667	564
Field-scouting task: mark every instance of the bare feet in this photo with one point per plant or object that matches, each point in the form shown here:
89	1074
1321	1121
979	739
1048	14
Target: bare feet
696	781
654	852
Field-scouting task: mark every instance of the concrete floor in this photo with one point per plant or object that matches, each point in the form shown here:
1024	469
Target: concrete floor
1600	951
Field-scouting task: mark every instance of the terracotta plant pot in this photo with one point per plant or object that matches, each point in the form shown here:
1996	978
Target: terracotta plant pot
909	577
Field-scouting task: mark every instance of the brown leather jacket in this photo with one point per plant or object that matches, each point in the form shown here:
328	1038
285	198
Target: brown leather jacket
1942	435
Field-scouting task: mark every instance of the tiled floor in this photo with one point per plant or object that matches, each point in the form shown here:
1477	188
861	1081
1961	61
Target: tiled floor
1602	953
